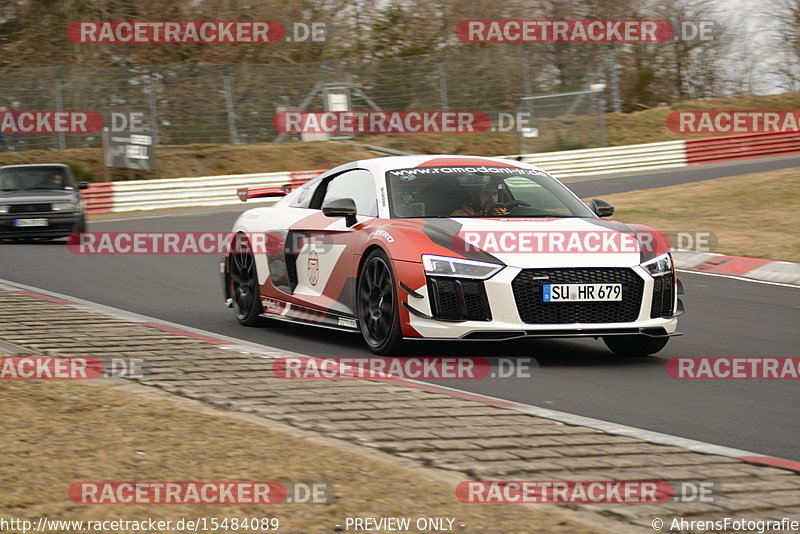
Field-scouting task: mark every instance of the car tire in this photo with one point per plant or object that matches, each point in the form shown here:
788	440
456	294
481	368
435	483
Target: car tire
377	305
635	346
244	292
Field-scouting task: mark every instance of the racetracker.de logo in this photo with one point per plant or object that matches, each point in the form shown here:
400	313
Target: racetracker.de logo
381	368
733	122
177	493
564	31
180	31
69	368
256	493
101	243
50	122
565	491
560	242
50	368
381	122
733	368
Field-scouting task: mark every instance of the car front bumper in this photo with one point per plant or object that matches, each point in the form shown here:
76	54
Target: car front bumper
58	225
506	321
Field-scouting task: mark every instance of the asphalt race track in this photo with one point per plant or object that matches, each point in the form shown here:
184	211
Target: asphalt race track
725	317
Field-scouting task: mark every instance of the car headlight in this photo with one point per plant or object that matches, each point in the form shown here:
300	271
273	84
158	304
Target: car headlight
444	266
659	266
3	209
64	206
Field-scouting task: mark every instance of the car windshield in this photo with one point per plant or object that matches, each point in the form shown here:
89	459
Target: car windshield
483	191
34	179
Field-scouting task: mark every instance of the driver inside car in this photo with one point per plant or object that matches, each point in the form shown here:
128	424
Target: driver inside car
9	184
54	181
487	207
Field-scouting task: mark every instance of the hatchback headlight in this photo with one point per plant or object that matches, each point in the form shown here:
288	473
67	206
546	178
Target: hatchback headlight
3	209
659	266
64	206
444	266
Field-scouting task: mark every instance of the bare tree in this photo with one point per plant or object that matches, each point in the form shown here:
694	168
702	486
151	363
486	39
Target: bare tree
785	21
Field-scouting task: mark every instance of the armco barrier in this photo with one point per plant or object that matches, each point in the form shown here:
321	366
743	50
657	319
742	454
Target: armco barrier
205	191
597	161
99	198
219	190
182	192
715	149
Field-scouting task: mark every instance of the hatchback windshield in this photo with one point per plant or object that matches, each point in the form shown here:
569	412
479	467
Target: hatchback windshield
482	191
34	179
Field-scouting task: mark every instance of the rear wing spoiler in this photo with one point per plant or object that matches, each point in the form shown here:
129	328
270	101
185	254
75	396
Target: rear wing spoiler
259	192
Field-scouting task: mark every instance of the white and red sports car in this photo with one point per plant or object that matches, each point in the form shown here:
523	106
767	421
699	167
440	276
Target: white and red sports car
450	248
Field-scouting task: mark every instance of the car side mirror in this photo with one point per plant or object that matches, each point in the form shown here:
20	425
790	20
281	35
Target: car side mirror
602	208
83	185
341	207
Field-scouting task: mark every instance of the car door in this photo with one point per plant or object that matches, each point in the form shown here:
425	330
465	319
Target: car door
326	248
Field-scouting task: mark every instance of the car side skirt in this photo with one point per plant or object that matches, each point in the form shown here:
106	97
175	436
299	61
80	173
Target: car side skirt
293	313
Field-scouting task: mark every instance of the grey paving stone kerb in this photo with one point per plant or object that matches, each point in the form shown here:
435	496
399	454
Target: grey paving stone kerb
435	429
779	271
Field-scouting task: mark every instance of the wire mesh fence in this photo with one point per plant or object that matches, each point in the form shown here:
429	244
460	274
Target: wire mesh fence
235	103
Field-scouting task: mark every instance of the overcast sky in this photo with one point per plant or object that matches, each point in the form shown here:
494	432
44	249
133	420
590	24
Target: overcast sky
754	53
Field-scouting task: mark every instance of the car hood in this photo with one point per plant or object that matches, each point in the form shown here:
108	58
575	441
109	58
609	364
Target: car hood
35	197
600	243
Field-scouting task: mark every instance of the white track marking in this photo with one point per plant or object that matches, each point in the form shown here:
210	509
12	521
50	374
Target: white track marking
742	278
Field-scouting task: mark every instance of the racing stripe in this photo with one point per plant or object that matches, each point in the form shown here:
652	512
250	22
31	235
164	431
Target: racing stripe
459	162
444	231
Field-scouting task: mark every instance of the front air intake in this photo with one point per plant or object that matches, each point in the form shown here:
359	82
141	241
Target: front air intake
459	299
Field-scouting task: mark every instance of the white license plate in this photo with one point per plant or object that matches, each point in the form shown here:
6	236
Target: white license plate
582	292
30	222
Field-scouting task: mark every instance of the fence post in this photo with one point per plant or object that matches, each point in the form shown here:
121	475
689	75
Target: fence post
601	110
611	58
62	141
443	83
151	84
527	90
526	78
226	82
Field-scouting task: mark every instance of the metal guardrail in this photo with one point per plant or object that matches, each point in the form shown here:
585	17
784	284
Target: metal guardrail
597	161
205	191
716	149
172	193
99	197
220	190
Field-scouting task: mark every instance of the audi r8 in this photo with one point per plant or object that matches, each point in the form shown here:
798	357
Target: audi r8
444	247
